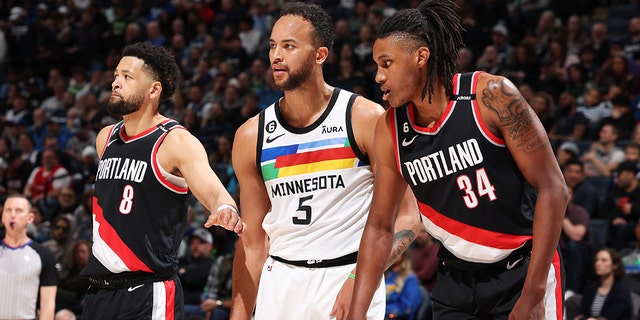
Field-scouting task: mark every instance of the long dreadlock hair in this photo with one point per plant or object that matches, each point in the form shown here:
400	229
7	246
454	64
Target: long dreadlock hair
435	24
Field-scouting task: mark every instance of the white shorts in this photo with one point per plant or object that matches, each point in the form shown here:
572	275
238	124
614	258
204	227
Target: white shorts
290	292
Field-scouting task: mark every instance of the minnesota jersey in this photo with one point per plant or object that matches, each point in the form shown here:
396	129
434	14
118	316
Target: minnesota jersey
139	209
470	191
319	183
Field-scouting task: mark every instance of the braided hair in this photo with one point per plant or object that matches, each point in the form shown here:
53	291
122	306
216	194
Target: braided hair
434	24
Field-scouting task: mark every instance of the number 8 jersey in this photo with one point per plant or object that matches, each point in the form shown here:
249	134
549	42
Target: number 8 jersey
139	209
471	194
319	183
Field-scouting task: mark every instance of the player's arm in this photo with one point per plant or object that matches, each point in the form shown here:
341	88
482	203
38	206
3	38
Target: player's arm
47	302
407	225
378	236
252	248
181	151
509	116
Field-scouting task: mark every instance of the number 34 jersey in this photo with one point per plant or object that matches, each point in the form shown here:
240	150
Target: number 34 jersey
319	183
139	209
471	194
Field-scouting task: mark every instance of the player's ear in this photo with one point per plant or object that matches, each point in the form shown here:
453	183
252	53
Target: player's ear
321	54
422	55
156	89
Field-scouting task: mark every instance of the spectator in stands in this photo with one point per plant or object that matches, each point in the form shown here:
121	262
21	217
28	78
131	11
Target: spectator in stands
616	71
595	109
544	105
621	116
72	286
424	259
603	155
585	193
576	38
46	181
568	124
608	297
566	152
578	83
83	217
575	245
525	66
562	57
194	269
403	290
599	43
622	205
216	297
62	238
632	40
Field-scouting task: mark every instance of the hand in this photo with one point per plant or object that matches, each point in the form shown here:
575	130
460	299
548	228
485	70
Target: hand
208	305
525	310
340	308
228	218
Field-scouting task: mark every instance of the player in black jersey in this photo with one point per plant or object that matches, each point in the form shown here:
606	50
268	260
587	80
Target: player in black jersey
148	164
481	167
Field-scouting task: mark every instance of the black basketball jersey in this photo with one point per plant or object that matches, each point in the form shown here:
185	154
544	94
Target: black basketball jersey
139	210
472	195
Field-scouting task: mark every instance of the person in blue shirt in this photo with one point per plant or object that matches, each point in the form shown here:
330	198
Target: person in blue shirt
403	290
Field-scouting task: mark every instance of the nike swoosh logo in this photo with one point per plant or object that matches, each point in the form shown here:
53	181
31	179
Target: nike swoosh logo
406	143
510	265
133	288
269	139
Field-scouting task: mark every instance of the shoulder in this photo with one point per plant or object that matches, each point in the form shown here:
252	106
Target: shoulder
492	86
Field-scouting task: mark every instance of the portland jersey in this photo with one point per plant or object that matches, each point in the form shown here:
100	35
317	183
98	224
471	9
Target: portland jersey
471	194
139	209
319	183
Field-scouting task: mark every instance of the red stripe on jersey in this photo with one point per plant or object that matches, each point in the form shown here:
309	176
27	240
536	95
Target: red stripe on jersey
156	168
473	234
126	138
109	235
170	297
559	294
456	83
107	142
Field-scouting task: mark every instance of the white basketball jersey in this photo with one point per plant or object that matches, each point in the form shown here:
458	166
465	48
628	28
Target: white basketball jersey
319	183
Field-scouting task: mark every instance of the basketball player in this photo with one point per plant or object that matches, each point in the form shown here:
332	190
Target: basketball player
305	173
148	163
481	167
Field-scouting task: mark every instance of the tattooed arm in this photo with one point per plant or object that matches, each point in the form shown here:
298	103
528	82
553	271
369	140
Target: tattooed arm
509	116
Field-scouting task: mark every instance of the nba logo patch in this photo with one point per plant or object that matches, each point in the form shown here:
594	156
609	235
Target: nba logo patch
270	266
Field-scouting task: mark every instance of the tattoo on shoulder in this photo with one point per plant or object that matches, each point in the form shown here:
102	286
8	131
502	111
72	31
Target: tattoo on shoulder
401	241
513	114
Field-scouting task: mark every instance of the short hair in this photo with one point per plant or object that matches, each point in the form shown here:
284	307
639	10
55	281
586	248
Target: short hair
20	196
434	24
319	19
158	64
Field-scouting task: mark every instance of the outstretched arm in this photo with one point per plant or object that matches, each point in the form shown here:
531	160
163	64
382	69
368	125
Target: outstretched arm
181	151
508	115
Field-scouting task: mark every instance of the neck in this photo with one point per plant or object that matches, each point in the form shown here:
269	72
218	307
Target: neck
141	120
15	239
304	105
428	113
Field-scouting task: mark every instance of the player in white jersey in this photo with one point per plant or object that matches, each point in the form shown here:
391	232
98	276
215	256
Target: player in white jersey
305	169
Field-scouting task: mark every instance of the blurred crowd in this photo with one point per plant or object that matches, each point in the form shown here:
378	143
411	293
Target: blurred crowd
577	63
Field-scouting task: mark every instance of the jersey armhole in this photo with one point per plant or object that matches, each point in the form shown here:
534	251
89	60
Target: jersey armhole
350	135
261	119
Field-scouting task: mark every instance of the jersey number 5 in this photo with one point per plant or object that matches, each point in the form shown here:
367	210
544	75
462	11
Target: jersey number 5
306	209
485	188
127	200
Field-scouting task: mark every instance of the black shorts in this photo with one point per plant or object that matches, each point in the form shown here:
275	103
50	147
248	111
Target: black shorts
490	291
160	300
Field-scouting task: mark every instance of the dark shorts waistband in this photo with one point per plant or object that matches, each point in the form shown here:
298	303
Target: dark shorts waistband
127	279
318	263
